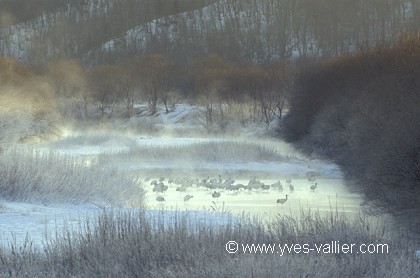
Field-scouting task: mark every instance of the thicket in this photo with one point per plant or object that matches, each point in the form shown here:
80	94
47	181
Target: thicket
363	112
225	91
35	101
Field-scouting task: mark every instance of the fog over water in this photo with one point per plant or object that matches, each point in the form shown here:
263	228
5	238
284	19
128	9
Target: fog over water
147	158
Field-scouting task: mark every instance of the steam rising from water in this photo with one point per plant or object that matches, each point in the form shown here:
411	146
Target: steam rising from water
146	158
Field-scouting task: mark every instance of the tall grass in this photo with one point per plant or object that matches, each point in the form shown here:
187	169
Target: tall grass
96	137
132	245
211	151
37	176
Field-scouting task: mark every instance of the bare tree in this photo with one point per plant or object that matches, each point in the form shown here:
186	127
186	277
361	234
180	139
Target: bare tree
70	82
102	82
156	73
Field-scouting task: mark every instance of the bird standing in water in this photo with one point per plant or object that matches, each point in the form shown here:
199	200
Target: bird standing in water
282	201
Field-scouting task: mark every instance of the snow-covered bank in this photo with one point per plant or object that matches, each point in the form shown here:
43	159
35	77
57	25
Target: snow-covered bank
37	224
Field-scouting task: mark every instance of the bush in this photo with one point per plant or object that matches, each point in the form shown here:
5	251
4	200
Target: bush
362	112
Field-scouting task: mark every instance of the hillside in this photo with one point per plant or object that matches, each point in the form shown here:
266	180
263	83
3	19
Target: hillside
71	29
108	31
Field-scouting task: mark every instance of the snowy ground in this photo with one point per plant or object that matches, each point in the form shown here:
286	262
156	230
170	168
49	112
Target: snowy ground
21	223
38	221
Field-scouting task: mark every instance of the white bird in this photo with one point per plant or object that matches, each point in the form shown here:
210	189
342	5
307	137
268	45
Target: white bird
282	201
187	197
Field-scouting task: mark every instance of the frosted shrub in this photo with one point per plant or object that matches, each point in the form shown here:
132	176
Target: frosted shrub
29	175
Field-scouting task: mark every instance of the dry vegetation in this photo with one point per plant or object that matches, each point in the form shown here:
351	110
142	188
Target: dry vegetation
46	177
362	112
212	151
133	245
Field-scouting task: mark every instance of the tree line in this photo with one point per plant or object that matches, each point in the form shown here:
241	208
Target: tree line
226	93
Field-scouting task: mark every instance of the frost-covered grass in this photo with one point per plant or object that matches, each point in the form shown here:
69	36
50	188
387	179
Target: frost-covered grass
95	138
210	151
44	176
136	245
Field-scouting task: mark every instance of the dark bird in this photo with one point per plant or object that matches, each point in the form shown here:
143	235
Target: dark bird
160	188
314	186
257	185
291	187
265	187
204	181
282	201
278	185
187	198
160	199
181	189
252	181
215	194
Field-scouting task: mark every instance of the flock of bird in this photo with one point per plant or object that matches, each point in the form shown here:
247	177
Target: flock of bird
217	184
